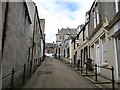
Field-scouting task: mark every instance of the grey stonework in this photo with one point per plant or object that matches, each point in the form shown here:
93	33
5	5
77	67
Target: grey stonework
42	24
105	9
21	39
0	42
16	42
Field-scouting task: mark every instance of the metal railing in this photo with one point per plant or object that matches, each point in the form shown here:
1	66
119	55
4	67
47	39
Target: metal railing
112	74
96	73
13	71
24	67
94	67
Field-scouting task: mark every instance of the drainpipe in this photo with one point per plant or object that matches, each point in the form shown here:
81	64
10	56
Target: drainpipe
43	48
3	40
5	27
31	62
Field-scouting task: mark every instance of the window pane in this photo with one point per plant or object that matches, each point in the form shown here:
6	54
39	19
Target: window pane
104	48
104	57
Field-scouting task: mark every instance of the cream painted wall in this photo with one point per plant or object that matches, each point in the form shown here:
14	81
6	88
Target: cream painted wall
110	55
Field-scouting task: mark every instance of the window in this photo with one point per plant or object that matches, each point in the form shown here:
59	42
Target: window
84	35
103	39
63	37
87	17
77	40
117	4
92	52
60	37
95	16
68	53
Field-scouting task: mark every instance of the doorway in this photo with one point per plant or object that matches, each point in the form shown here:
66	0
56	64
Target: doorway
98	57
118	54
76	57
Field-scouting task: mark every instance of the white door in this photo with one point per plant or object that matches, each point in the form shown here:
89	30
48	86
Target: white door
98	58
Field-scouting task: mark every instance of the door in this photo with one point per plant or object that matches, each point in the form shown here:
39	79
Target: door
81	59
118	52
85	55
76	57
98	58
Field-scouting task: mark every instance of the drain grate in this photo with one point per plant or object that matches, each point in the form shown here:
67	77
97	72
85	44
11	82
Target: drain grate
44	72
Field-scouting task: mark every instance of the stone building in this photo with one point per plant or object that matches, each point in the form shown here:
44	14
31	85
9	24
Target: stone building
80	44
101	44
42	24
15	38
113	44
49	47
98	40
21	39
0	42
62	40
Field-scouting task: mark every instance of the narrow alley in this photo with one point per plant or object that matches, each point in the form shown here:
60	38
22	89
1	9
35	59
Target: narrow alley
60	44
55	74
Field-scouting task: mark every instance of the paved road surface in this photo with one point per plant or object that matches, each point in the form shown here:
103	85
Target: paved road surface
55	74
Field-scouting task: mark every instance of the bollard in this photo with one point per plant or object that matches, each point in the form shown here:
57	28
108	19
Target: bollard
113	81
95	72
12	78
39	61
86	68
36	62
24	74
30	69
81	67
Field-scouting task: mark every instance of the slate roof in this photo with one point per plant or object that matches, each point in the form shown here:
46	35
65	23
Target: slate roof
67	31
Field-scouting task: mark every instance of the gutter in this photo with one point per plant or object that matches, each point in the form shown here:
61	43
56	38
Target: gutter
31	62
38	20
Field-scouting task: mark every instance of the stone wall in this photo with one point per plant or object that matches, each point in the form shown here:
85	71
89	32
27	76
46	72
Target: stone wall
16	40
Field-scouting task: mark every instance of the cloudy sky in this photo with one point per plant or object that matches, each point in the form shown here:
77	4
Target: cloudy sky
61	14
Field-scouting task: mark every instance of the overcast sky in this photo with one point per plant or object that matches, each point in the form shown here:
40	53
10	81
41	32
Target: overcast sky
62	14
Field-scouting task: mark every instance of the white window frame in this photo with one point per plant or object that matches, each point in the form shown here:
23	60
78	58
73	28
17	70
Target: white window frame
116	5
94	18
104	50
97	12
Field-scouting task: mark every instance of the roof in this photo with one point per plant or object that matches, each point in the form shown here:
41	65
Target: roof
67	31
80	31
